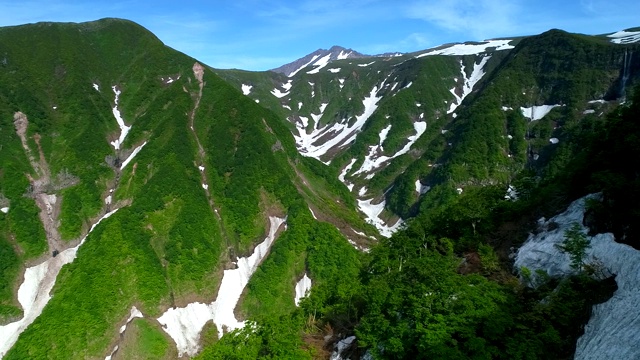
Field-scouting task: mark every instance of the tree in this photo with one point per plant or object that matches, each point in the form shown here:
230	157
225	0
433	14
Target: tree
575	244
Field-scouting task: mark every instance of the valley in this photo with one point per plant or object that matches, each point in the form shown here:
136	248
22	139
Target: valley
342	206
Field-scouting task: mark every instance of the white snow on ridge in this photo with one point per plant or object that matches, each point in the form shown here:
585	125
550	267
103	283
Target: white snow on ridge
469	82
365	65
625	37
124	129
303	66
35	291
302	289
609	333
342	133
470	49
246	89
344	55
185	324
373	211
324	61
537	112
133	154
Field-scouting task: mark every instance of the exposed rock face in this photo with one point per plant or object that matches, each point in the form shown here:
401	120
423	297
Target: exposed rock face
612	330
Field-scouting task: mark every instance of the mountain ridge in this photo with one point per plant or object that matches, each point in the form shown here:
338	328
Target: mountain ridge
388	175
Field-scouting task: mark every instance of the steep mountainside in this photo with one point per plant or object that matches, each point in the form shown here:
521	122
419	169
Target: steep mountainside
103	123
153	207
401	131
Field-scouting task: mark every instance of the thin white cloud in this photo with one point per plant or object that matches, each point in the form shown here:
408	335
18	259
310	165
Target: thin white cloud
478	18
412	42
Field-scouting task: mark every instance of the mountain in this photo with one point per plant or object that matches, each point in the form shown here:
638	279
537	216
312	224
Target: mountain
153	207
318	60
133	178
402	125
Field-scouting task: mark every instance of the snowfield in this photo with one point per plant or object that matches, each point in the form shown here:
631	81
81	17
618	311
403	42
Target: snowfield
341	133
185	324
470	49
625	37
610	333
372	161
324	61
124	129
246	89
469	82
280	94
537	112
133	154
302	289
372	212
35	291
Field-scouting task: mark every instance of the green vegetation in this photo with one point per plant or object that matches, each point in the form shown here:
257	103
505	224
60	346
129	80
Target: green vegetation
575	244
441	288
145	341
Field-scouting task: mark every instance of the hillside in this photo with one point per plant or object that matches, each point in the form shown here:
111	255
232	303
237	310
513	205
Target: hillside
365	206
103	120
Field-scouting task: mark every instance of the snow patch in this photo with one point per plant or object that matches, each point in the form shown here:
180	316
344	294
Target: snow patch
341	133
280	94
469	82
303	66
625	37
334	70
588	111
205	186
365	65
246	89
302	289
470	49
536	112
35	291
95	86
299	105
421	189
135	313
133	154
554	140
344	55
5	209
124	129
344	172
373	211
185	324
324	61
372	161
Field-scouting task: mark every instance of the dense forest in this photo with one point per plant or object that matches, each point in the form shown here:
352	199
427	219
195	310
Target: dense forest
152	214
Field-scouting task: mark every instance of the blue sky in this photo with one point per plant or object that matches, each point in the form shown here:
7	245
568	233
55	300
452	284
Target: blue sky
260	35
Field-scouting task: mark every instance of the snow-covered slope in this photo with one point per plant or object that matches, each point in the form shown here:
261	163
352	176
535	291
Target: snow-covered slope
317	60
185	324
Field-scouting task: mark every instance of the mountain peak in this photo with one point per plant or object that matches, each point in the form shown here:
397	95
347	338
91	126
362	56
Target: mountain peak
318	59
